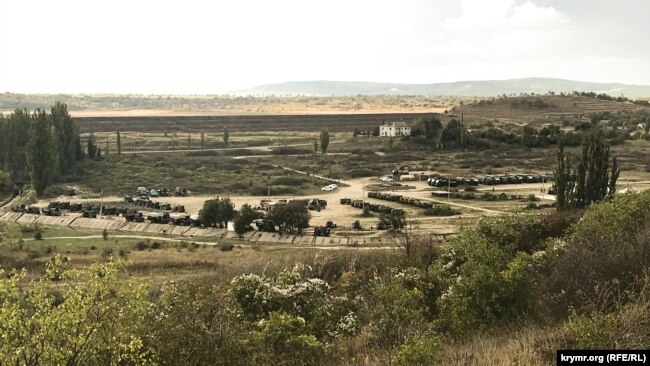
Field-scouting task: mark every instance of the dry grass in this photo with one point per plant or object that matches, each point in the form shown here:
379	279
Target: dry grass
525	346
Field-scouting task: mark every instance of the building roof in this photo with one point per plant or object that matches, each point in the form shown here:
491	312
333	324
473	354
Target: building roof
397	124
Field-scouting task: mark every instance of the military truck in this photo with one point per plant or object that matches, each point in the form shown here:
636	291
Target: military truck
51	211
91	214
143	192
181	191
322	231
265	225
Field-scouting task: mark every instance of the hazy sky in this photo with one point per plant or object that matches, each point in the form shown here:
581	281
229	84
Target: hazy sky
192	46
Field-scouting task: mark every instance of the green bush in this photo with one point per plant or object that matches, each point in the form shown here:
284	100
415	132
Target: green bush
441	210
485	272
238	187
364	172
593	331
38	232
288	181
283	339
275	190
419	350
225	247
611	243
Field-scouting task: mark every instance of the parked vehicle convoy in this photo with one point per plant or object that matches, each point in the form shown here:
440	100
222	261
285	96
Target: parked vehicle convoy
487	180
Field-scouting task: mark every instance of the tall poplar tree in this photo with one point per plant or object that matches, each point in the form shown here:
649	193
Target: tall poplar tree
16	144
64	133
324	140
42	158
592	180
119	144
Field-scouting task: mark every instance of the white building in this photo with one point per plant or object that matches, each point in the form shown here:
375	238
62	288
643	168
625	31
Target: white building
394	129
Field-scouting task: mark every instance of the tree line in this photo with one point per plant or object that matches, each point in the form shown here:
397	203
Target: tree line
41	147
291	217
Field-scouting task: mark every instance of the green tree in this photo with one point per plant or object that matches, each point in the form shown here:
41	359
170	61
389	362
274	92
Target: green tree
3	142
324	140
91	147
217	211
451	133
64	133
226	136
315	146
291	217
591	181
5	183
613	178
41	154
428	127
16	136
202	140
244	218
119	144
395	220
529	136
79	151
563	178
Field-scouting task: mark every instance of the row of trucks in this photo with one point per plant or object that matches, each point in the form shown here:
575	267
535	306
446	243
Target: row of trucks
488	180
162	192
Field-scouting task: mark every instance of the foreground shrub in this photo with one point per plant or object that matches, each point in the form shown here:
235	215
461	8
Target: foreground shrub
293	292
485	272
419	350
611	244
94	320
283	339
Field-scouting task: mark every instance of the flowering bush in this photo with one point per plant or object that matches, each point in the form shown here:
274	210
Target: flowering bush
294	293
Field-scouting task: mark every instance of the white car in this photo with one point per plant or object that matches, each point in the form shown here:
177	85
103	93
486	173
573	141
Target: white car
386	178
329	188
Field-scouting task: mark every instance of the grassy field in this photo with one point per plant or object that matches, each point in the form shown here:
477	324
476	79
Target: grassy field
160	259
209	174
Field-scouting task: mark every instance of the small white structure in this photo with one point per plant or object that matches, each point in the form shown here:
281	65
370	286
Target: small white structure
394	129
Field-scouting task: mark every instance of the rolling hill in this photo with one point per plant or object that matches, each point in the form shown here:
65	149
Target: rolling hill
459	88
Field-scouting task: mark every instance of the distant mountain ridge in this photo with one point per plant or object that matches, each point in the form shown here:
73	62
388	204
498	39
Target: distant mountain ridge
458	88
